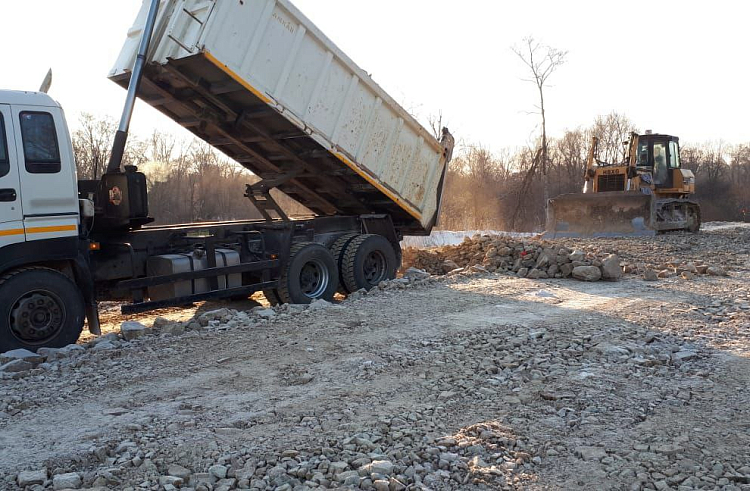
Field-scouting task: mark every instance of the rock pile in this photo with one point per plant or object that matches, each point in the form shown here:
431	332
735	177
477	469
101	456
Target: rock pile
541	259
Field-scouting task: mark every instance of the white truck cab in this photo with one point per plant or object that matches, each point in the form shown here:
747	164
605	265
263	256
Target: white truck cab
38	183
45	285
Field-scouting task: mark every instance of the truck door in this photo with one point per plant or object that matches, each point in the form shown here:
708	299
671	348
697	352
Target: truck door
47	173
11	213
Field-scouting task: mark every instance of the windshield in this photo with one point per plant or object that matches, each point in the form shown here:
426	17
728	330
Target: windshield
642	154
660	163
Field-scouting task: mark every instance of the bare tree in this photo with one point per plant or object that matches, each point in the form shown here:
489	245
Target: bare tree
92	144
542	61
524	190
436	124
569	160
612	130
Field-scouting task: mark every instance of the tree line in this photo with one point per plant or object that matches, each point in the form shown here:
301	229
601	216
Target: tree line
190	181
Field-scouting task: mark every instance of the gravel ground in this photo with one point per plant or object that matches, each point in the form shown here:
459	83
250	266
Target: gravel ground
470	381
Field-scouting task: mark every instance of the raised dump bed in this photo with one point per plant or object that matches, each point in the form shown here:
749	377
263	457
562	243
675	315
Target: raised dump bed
257	80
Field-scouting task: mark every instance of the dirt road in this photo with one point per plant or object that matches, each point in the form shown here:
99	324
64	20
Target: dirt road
469	382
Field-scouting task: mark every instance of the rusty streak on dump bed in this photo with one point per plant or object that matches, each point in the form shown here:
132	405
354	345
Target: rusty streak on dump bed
199	96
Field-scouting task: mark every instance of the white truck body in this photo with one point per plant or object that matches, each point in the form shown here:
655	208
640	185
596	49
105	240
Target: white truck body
272	50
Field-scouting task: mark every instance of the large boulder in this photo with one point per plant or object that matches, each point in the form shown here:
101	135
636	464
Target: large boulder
716	271
29	478
21	354
70	480
415	274
611	269
566	269
16	366
577	256
543	261
536	274
132	330
587	273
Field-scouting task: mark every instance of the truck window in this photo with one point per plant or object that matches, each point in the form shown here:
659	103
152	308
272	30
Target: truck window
4	162
40	148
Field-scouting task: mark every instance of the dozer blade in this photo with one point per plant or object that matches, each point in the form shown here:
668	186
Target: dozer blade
610	214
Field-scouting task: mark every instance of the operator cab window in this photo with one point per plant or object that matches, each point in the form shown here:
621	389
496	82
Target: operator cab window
660	163
4	161
40	148
674	155
642	154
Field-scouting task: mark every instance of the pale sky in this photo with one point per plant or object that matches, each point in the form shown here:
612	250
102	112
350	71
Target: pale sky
673	67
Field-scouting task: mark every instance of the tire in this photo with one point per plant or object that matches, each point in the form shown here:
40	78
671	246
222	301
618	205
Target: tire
368	260
45	309
337	249
310	274
273	297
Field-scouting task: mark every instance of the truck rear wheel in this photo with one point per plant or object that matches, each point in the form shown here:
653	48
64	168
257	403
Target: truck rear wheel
337	249
310	274
368	260
46	309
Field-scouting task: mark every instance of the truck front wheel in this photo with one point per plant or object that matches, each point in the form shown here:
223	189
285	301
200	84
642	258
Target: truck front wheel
39	307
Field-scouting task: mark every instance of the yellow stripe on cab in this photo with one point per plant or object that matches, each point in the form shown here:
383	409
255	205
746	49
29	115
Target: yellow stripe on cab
56	228
12	231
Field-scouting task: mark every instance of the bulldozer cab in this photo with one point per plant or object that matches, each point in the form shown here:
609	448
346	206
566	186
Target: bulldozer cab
659	155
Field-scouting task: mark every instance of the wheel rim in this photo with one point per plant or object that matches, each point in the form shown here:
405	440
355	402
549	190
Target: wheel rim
37	317
375	267
314	279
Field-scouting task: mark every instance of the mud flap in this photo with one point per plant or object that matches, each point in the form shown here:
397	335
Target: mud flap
610	214
85	283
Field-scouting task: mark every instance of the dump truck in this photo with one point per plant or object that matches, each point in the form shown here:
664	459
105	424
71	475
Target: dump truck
648	193
260	82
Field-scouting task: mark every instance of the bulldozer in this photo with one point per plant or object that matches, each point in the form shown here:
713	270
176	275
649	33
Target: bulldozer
647	194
